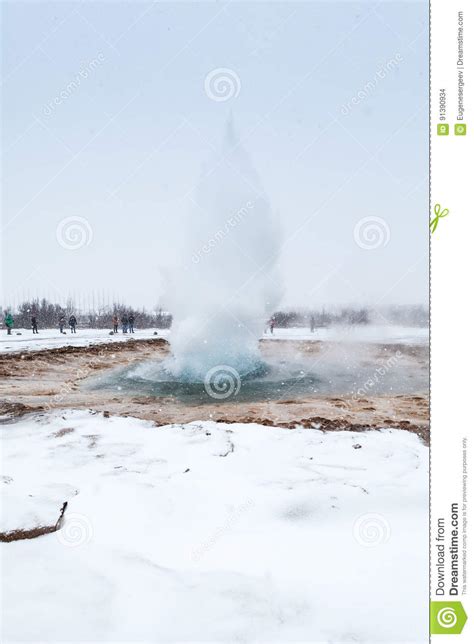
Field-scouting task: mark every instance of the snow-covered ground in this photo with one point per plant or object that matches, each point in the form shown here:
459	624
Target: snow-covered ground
51	338
358	333
213	532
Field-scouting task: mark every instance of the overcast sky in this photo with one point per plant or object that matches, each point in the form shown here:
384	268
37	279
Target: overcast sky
107	120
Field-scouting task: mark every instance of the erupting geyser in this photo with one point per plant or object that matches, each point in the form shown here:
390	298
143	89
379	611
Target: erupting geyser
227	285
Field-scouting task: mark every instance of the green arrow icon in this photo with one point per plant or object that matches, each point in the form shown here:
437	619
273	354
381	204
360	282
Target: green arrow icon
447	618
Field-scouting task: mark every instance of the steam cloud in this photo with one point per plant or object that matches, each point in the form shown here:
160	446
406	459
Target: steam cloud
227	285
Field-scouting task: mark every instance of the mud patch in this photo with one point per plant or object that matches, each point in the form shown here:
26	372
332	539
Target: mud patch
33	533
10	411
63	432
55	379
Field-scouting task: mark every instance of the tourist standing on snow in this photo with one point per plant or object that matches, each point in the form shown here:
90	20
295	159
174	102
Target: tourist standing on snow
9	323
272	325
34	324
62	323
73	323
124	321
312	323
115	323
131	322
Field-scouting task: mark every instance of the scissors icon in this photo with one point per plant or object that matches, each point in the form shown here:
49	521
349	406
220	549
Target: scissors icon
438	215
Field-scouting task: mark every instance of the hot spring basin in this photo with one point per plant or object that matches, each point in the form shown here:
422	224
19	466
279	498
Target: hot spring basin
265	383
275	378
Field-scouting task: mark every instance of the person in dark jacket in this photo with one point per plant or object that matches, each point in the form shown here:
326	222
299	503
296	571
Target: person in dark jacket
62	323
124	321
73	323
131	322
34	324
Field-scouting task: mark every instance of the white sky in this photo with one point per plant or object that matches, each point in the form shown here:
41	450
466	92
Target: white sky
124	146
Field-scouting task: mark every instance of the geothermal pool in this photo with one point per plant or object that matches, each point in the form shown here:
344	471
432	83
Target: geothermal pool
284	371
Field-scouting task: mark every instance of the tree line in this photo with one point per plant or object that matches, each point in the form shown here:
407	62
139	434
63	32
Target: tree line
408	315
48	315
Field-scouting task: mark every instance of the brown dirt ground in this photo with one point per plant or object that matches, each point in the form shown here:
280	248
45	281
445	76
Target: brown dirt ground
51	379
